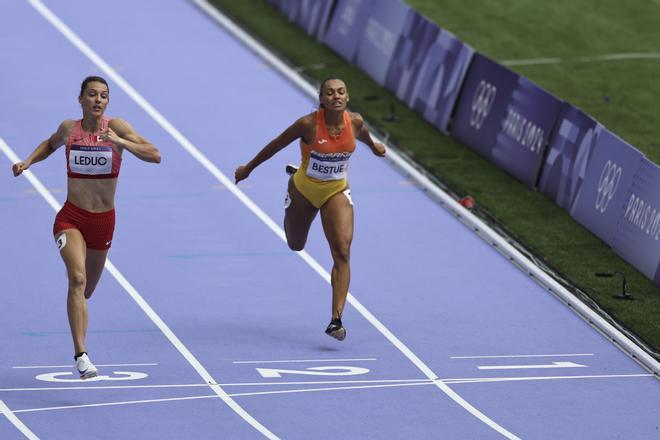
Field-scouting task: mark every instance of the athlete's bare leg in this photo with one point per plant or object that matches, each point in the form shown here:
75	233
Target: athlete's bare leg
298	217
94	264
337	219
74	253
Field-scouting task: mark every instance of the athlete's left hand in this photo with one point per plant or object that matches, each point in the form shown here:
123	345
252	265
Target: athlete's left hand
378	149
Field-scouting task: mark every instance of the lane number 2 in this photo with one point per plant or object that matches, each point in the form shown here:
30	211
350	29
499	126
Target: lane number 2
315	371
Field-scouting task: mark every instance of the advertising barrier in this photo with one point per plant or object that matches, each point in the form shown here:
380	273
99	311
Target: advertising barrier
440	79
409	55
610	169
427	70
385	24
637	238
346	27
505	117
571	143
313	16
310	15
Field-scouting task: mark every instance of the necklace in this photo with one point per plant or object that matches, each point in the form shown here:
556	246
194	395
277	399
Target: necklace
335	131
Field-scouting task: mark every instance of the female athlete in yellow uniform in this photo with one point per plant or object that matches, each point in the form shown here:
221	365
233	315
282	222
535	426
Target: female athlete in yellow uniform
327	140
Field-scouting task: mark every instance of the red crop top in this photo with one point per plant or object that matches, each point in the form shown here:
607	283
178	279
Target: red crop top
89	157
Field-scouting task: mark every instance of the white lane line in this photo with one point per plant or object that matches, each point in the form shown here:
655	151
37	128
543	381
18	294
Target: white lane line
96	59
285	70
541	378
69	366
108	387
521	356
193	385
391	384
532	367
127	402
304	360
328	382
175	399
4	409
312	390
590	59
192	360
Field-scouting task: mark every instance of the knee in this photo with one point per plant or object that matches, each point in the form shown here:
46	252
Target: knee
341	252
77	281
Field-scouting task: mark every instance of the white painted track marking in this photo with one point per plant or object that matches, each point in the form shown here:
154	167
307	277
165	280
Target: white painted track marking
520	356
303	360
69	366
466	380
70	378
398	384
4	409
532	367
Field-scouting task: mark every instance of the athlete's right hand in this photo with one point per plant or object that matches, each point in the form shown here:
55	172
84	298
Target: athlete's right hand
242	172
19	167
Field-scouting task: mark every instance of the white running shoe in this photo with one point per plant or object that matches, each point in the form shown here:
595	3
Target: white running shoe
85	368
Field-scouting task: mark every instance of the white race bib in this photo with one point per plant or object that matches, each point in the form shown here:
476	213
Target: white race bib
328	166
90	160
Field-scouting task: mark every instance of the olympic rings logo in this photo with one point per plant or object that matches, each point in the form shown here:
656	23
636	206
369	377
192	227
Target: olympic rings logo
608	184
482	102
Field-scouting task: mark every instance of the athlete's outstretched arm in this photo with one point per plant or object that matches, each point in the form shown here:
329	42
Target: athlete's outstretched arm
298	129
122	135
363	136
45	148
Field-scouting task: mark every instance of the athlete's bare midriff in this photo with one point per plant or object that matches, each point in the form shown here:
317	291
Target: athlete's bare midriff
93	195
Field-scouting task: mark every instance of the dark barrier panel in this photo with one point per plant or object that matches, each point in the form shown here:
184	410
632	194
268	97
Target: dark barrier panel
427	69
505	117
313	16
385	24
637	238
610	169
285	6
571	142
409	56
440	79
346	27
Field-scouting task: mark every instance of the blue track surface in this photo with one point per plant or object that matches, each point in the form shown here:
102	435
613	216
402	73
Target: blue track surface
239	301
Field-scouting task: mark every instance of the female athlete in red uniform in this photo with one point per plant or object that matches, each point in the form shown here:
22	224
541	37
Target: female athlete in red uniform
84	227
327	140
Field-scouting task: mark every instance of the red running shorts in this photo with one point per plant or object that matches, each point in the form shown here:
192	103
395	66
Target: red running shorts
96	228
